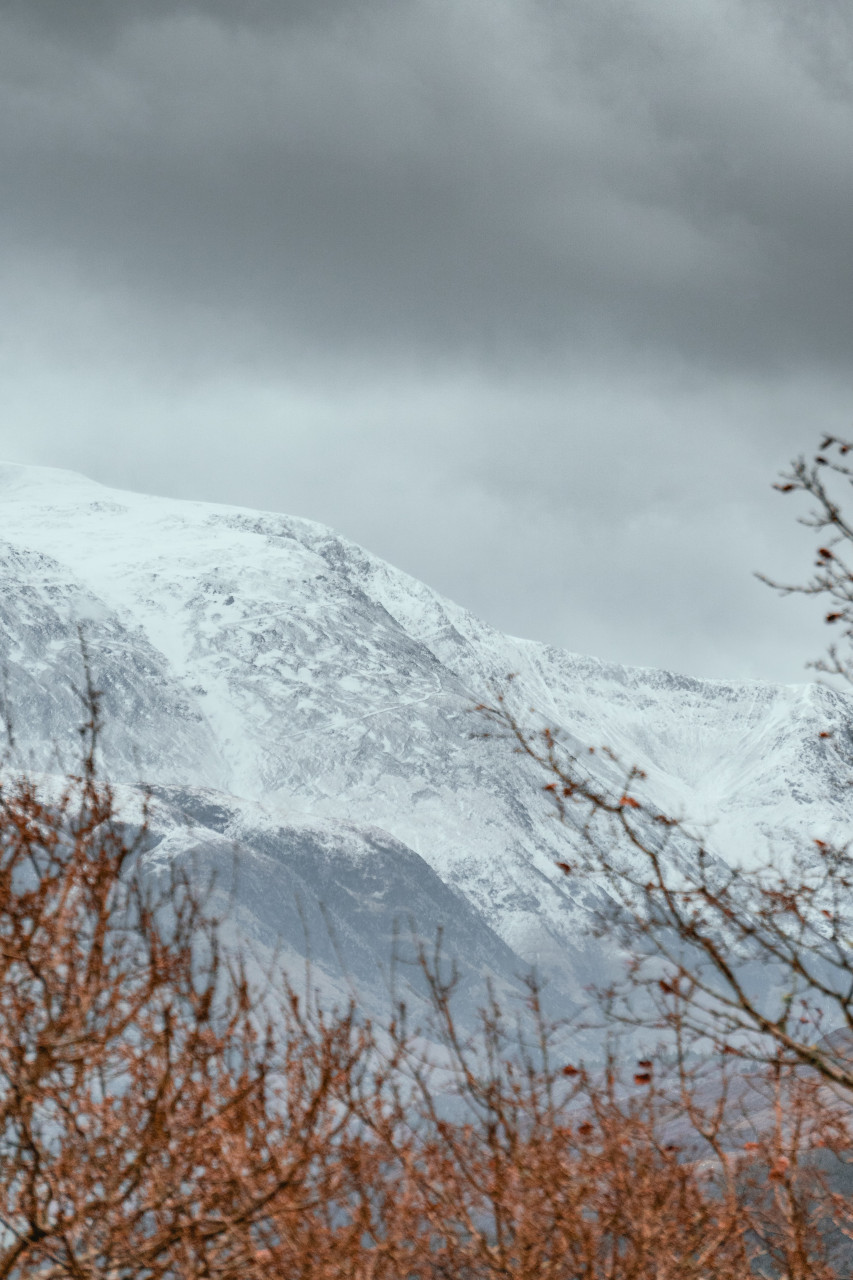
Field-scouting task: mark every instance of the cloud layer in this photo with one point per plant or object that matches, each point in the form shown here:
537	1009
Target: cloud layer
531	298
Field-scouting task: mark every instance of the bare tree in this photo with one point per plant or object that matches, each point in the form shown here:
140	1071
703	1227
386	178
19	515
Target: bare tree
512	1162
150	1124
699	931
825	479
155	1124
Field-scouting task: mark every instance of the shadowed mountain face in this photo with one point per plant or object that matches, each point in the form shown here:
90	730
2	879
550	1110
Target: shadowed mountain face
304	713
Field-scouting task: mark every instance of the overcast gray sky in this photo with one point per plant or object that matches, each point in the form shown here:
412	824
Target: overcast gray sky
531	297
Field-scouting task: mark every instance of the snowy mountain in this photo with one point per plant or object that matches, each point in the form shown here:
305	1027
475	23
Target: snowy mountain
302	707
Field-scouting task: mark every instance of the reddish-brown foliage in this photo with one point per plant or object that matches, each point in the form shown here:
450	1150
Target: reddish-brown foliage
150	1125
154	1125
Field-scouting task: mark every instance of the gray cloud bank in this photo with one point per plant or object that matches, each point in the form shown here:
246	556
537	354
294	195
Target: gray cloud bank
532	298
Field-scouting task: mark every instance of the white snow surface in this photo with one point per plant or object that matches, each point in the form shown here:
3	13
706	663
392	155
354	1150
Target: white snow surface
269	661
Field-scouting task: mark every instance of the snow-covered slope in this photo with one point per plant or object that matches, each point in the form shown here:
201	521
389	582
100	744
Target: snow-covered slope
263	669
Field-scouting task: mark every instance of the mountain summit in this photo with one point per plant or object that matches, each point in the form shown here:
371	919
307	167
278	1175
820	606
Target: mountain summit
286	695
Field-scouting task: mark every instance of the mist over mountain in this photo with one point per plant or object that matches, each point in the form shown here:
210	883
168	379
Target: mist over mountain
302	715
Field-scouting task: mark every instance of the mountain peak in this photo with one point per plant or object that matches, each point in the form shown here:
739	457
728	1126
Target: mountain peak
270	661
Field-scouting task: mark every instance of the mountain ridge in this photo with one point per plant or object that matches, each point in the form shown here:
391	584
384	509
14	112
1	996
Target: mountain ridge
264	659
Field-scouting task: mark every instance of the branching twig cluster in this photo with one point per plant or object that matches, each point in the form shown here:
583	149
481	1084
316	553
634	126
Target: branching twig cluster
153	1125
824	477
745	973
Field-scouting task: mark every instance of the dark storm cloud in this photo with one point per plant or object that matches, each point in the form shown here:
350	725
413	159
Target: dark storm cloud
533	298
96	23
502	182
